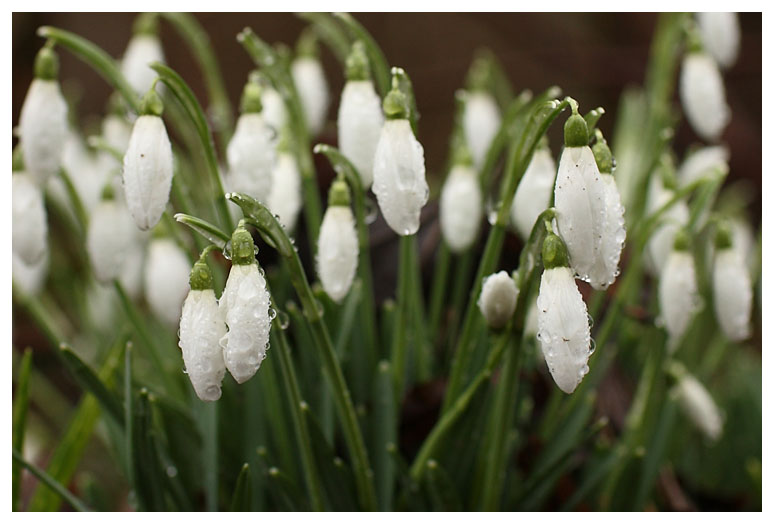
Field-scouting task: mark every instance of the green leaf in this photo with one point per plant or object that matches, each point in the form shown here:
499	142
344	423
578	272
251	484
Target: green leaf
20	406
591	119
89	382
241	498
437	483
385	432
148	473
51	483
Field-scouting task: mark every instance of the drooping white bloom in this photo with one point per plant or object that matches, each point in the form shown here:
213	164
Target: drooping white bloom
703	162
142	50
678	299
202	326
84	170
28	221
166	279
460	208
498	299
29	278
720	33
481	120
703	97
732	294
148	171
699	406
43	128
252	154
534	191
245	303
606	267
310	82
660	244
360	122
399	177
285	197
563	328
109	240
580	201
273	108
337	257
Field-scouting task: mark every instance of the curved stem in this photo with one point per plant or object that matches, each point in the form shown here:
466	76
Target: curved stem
399	347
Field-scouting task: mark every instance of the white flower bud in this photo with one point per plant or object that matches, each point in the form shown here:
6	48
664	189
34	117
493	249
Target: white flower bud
245	304
606	267
699	406
148	171
720	33
703	162
274	111
43	128
251	155
481	120
678	299
28	221
337	257
498	299
285	197
109	239
660	244
201	328
360	122
563	328
732	294
534	191
142	50
166	279
310	82
29	278
460	208
703	97
399	177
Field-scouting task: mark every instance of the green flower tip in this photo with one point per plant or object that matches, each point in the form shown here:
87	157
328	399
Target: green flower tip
357	64
554	252
46	64
242	247
479	73
116	105
603	157
201	277
151	103
339	194
146	24
723	236
17	160
396	104
576	131
251	98
681	241
108	194
307	44
461	155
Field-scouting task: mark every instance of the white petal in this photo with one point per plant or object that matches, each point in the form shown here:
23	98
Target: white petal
732	294
141	51
720	33
84	171
703	162
29	278
148	171
201	328
43	128
534	191
460	208
310	82
360	122
251	154
29	225
606	267
399	177
166	279
131	276
703	97
563	328
498	299
660	244
285	196
109	240
678	299
245	303
699	406
337	257
116	131
481	120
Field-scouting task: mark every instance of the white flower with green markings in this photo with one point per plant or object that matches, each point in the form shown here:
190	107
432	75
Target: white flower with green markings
311	86
534	191
678	298
732	289
337	257
498	299
29	226
460	208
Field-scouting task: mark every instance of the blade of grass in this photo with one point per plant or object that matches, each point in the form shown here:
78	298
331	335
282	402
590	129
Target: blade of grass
385	432
240	499
20	406
89	382
51	483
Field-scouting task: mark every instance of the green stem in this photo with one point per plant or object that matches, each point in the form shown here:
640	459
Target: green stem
75	200
399	347
438	289
20	405
51	483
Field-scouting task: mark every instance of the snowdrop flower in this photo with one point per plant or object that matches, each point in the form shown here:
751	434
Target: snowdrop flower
660	244
534	191
131	275
84	170
201	328
703	162
702	95
148	166
460	207
310	83
481	120
29	278
274	111
498	299
678	298
28	221
252	150
732	290
166	279
337	257
285	197
399	167
698	405
143	49
360	115
563	322
720	33
43	119
581	198
110	238
245	305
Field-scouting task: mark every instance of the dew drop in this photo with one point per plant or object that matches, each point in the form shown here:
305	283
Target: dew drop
590	321
272	314
172	471
227	251
283	320
592	346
